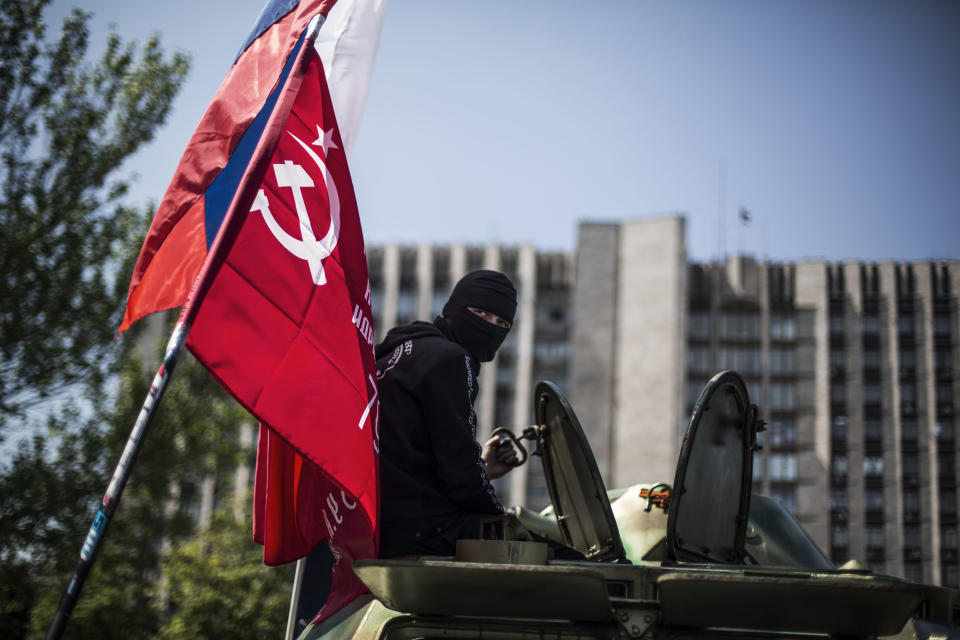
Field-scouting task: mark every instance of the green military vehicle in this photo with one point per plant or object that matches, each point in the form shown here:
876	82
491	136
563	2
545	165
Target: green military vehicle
701	558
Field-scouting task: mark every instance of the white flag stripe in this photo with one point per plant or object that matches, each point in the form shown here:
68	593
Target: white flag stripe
347	44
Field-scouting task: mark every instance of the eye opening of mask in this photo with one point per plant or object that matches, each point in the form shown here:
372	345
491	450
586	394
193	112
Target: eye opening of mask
490	317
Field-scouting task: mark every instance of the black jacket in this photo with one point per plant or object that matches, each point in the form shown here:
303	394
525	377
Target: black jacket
431	474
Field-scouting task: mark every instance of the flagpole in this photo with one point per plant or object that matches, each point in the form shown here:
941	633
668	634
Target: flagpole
121	474
91	546
295	599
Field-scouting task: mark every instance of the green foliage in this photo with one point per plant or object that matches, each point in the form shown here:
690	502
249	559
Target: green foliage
66	126
66	247
218	587
49	494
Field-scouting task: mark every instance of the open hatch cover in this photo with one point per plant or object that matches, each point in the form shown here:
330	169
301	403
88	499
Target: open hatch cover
710	500
579	497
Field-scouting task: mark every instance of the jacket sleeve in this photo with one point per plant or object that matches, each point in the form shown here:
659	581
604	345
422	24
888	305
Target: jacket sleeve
446	397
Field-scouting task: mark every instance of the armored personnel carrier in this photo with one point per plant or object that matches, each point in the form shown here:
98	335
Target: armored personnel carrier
701	558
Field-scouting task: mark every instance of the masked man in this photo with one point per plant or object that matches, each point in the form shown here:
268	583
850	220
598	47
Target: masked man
434	480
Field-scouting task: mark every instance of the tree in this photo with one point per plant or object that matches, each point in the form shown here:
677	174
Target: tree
67	243
66	126
49	495
218	587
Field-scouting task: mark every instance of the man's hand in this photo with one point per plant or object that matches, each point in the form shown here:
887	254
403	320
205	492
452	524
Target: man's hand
498	458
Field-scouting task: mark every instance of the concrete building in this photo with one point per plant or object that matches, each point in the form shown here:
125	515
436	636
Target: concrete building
852	365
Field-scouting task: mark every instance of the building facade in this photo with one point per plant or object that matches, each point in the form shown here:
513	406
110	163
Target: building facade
852	365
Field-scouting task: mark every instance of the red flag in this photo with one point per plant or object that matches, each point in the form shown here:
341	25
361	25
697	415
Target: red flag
258	237
286	328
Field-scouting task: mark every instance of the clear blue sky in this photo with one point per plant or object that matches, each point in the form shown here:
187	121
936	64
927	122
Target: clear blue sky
837	122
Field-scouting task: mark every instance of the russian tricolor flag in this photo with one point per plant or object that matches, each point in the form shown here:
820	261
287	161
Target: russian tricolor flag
218	153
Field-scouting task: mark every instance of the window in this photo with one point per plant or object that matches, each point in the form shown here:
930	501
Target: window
698	359
948	537
836	324
782	467
782	397
944	393
873	499
547	314
837	362
838	466
908	361
945	431
740	359
871	393
944	399
754	363
908	394
732	358
840	537
838	428
552	351
941	325
948	503
872	429
783	433
911	537
740	326
726	358
873	466
874	537
910	464
375	304
838	499
699	326
911	501
436	303
871	359
838	393
943	360
905	324
406	306
475	259
503	409
757	468
781	361
783	327
908	429
871	325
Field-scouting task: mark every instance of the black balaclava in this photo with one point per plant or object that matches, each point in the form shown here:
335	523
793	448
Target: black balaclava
487	290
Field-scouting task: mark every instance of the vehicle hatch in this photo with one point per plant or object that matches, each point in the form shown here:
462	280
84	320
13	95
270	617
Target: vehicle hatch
576	489
710	501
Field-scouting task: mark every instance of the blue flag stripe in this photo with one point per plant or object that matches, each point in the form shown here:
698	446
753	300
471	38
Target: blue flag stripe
220	193
271	13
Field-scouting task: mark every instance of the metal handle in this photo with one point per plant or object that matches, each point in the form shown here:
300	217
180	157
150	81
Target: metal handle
506	437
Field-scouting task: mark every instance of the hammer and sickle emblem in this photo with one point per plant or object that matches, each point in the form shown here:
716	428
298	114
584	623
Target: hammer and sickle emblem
307	247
